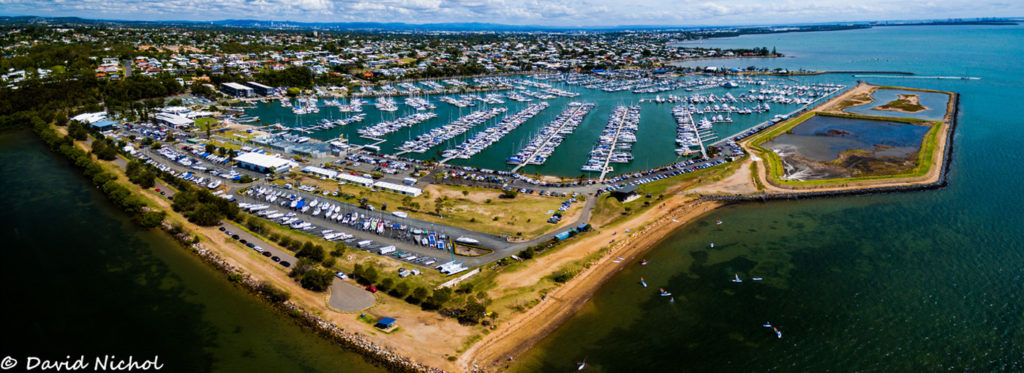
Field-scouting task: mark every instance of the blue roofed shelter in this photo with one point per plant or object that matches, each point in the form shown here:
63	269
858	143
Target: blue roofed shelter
385	323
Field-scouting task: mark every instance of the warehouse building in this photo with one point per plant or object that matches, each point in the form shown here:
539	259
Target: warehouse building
264	163
261	89
236	90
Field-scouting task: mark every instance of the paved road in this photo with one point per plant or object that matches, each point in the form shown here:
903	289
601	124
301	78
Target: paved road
349	298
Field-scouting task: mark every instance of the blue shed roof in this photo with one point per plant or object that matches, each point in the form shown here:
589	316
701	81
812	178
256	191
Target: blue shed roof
386	322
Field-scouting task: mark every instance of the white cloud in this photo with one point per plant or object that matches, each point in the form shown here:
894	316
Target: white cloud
523	12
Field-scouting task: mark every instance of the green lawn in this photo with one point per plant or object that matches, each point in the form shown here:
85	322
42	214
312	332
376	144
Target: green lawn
478	209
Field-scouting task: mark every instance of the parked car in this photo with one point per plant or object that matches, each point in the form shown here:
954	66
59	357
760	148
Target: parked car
371	289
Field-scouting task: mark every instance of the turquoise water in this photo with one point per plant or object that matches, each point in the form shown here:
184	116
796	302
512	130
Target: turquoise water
909	282
934	102
656	137
79	279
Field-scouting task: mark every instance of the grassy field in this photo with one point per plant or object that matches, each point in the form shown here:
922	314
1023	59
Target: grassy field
903	103
774	163
479	209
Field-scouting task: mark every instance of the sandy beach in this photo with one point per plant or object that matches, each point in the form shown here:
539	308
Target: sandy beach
524	330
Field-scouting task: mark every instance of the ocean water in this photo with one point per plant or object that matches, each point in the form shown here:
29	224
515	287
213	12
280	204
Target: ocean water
908	282
81	280
934	102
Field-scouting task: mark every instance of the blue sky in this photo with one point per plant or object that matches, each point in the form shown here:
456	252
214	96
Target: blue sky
522	12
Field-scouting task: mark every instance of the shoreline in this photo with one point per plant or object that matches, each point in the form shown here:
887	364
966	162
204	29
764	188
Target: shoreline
519	334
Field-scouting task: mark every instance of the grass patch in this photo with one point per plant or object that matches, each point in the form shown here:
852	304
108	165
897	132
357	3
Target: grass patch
757	179
904	103
610	211
478	209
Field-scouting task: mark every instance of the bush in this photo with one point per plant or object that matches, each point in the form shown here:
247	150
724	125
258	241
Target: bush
418	295
273	293
151	219
317	280
245	179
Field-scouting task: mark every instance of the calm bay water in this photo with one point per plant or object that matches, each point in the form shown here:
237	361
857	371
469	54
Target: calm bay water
922	281
82	280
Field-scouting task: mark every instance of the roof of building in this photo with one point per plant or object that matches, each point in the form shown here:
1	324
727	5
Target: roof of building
626	189
174	120
90	117
103	123
264	160
258	85
398	187
386	322
320	171
234	85
355	179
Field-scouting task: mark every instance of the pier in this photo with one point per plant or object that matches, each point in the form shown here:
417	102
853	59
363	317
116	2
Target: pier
769	123
554	133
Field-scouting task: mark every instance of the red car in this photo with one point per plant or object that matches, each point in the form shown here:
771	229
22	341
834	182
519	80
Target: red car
371	289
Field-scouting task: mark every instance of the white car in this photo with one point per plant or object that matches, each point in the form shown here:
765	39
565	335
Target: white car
340	275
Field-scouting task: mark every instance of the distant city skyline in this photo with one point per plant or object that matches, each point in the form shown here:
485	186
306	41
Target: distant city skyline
560	13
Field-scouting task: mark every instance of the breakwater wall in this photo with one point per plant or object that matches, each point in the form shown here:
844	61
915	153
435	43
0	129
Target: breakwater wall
947	159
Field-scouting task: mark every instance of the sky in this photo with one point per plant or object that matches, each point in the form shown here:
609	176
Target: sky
565	13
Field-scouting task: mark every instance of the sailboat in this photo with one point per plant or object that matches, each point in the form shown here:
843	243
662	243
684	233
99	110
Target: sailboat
718	221
777	332
664	293
737	278
642	282
581	365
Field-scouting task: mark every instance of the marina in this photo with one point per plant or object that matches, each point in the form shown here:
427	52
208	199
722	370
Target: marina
542	145
483	139
424	142
616	141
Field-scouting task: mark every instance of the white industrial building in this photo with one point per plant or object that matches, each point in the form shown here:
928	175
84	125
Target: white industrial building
398	188
263	163
173	120
358	180
321	172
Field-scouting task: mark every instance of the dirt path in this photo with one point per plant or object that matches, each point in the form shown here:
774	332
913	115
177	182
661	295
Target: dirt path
739	182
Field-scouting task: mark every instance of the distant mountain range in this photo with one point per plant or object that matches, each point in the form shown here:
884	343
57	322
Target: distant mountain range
473	26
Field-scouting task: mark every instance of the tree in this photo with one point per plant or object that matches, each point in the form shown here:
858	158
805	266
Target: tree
339	249
103	150
400	290
313	252
245	179
151	219
418	295
472	312
369	274
210	148
317	280
386	284
207	214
